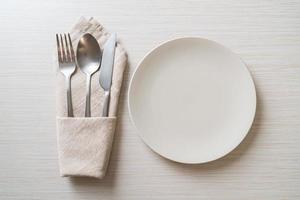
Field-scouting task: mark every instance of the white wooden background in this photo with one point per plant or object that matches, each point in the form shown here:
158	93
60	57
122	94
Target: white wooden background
265	33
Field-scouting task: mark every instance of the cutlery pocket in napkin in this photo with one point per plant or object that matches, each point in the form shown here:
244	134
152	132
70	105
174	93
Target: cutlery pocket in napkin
84	145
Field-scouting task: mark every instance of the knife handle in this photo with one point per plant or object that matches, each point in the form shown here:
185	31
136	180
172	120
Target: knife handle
106	103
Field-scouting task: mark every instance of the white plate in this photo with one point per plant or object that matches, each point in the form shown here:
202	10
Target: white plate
192	100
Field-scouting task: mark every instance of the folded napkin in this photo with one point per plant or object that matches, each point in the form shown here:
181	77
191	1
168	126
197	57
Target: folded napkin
84	144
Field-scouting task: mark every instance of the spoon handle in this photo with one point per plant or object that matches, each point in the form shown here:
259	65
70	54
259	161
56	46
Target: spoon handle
106	103
88	97
69	97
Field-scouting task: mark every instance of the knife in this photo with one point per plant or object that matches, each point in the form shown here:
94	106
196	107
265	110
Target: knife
106	70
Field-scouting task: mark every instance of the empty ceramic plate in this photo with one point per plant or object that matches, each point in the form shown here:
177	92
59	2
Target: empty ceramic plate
192	100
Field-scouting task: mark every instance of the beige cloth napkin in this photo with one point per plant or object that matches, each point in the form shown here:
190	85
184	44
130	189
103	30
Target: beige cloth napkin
84	144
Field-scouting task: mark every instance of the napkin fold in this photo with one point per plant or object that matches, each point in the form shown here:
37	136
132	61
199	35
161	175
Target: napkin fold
84	144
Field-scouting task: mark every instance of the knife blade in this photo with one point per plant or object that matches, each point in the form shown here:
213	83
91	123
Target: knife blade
106	70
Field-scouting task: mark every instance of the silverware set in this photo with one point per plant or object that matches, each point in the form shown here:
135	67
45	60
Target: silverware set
89	59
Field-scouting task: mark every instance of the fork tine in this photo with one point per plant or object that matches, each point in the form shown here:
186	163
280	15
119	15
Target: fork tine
63	49
58	48
68	57
71	48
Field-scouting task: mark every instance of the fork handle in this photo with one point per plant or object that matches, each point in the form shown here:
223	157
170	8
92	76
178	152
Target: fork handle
69	97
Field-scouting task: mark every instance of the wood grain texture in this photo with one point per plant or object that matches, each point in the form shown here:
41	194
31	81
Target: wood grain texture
266	34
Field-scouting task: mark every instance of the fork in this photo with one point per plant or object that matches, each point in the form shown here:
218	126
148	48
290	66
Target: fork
67	65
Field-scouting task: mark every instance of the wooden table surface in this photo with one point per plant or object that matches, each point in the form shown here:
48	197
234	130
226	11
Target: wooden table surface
266	34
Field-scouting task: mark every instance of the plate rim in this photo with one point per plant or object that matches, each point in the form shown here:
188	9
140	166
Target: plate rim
197	38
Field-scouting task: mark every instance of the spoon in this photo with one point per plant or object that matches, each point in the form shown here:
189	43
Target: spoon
88	60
